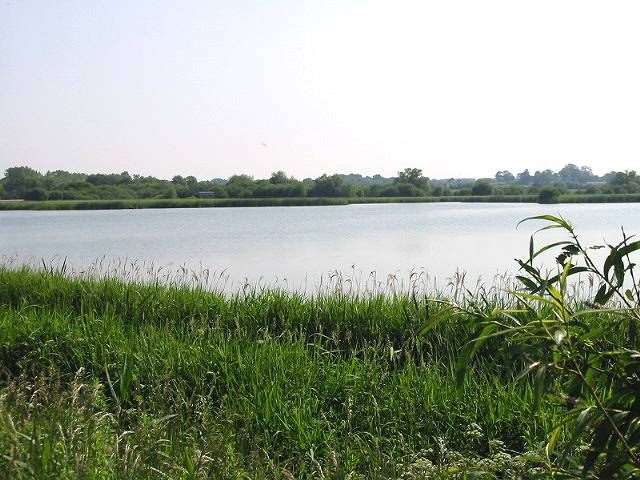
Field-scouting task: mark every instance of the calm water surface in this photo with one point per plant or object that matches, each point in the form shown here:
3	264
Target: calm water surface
299	246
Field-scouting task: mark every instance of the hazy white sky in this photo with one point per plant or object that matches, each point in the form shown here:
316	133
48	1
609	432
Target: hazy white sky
457	88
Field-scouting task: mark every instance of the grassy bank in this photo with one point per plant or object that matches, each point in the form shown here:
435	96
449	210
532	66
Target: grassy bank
306	201
105	379
240	202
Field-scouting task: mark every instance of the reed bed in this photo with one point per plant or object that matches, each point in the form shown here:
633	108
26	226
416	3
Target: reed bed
113	377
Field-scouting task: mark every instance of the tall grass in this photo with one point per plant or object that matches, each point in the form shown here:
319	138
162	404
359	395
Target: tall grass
302	201
103	378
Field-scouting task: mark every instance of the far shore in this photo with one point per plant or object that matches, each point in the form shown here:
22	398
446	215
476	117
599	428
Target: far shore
294	201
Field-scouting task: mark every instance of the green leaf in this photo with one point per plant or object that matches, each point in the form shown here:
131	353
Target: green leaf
528	283
603	296
470	350
583	419
557	221
627	249
434	320
553	440
538	386
551	245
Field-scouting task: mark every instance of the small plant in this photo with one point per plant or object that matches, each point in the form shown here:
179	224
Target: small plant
583	355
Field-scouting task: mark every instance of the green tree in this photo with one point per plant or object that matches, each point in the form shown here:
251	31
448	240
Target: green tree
524	177
414	177
549	194
330	186
505	176
278	177
18	180
482	187
36	194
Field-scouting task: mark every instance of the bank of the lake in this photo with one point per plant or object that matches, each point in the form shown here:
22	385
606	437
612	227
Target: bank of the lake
137	380
295	201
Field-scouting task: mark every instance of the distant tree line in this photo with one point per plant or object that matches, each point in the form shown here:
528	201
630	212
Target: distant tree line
29	184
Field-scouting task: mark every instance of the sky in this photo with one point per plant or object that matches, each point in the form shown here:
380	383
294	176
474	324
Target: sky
216	87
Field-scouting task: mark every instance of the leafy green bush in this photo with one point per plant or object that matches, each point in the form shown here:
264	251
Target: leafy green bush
548	195
593	369
36	194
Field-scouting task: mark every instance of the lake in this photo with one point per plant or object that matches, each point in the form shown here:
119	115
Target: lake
301	247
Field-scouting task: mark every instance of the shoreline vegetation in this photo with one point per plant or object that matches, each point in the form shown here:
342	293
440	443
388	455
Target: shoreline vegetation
132	379
295	201
59	189
106	378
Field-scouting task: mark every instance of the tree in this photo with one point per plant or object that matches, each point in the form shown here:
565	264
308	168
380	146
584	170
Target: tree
330	186
504	176
18	180
36	194
409	190
624	182
240	180
414	177
482	187
524	177
544	177
549	194
572	174
278	177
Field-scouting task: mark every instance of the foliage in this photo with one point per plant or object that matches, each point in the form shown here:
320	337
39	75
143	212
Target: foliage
482	187
593	369
36	194
410	182
109	379
549	194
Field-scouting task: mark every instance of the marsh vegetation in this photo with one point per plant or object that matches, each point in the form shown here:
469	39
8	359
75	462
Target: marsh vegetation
104	378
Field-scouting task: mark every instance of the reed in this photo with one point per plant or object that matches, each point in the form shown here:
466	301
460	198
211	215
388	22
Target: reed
105	378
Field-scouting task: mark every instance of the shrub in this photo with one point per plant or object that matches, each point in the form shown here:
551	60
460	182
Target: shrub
36	194
548	195
482	187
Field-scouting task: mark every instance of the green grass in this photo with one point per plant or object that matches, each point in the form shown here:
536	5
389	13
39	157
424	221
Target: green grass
304	201
243	202
101	378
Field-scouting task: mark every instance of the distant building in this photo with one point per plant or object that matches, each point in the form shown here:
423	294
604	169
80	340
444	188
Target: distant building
206	194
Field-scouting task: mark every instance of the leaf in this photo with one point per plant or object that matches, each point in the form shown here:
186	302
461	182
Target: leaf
583	419
529	269
553	440
538	386
470	350
528	370
530	284
434	320
547	247
603	296
557	221
627	249
571	271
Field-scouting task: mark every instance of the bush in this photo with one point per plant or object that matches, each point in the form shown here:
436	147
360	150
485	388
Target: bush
36	194
409	190
482	187
548	195
56	195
